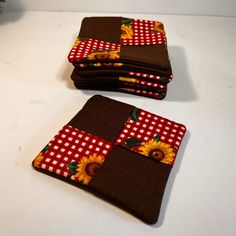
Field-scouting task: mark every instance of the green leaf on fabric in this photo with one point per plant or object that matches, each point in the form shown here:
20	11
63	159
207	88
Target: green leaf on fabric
157	138
45	148
132	142
73	167
82	38
134	115
126	21
164	80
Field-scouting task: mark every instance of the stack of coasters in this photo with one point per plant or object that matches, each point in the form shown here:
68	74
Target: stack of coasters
125	161
121	54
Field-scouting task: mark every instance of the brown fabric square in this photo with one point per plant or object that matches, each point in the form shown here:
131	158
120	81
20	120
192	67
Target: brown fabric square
101	28
102	117
133	182
152	55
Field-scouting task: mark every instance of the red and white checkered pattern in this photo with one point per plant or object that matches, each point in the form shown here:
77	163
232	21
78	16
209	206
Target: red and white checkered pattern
143	34
148	126
81	50
142	92
148	76
142	84
69	145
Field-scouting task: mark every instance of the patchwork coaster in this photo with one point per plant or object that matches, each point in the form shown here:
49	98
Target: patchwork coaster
125	160
92	52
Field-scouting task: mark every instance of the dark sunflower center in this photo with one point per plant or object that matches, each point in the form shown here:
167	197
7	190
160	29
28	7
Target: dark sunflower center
157	154
91	168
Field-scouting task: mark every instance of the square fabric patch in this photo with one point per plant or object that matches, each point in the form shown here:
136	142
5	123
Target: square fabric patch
134	183
92	49
142	32
71	151
118	152
151	135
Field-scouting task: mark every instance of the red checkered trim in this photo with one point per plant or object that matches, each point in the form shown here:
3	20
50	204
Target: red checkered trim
131	73
69	145
148	126
144	93
143	34
83	47
143	84
148	76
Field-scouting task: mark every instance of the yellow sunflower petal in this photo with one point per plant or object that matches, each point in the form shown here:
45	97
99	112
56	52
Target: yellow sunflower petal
166	150
159	27
127	32
38	160
82	175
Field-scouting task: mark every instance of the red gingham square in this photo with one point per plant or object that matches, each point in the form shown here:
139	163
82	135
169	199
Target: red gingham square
69	145
145	93
148	76
147	126
83	47
142	84
143	33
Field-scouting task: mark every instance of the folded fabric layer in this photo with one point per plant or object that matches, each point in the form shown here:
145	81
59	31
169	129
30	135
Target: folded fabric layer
129	90
117	82
93	69
125	161
122	84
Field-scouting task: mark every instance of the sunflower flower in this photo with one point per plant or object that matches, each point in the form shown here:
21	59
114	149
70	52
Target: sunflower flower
126	31
104	55
159	151
158	27
87	168
38	160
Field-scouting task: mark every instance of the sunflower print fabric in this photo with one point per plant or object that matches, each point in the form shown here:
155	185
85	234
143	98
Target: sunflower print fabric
158	151
73	154
38	159
158	27
141	32
84	170
104	55
126	31
152	136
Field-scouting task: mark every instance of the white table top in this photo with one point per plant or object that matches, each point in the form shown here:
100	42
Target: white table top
38	98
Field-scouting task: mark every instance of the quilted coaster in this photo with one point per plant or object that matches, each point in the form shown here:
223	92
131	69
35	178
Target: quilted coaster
126	162
88	50
122	40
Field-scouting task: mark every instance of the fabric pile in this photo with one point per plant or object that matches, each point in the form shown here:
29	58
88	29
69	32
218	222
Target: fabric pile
121	54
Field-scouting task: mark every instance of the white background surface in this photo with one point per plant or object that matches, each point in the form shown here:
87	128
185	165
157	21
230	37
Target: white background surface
185	7
37	99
